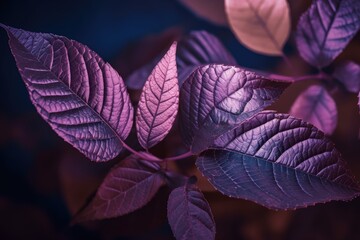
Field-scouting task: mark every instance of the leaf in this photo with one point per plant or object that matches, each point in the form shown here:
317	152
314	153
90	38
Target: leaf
279	162
190	215
159	102
216	98
261	25
212	10
348	73
82	98
325	29
315	105
130	185
198	48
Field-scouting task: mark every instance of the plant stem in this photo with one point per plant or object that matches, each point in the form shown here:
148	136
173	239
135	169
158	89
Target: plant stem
320	76
179	157
139	154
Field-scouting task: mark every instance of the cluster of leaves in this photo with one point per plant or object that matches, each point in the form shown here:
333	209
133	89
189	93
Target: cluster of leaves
322	33
273	159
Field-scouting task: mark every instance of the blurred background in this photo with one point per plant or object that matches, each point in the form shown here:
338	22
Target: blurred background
44	181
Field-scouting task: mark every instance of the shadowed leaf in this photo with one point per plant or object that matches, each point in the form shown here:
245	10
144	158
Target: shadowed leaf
190	215
326	28
159	102
279	162
129	186
82	97
199	48
261	25
216	98
211	10
316	106
348	73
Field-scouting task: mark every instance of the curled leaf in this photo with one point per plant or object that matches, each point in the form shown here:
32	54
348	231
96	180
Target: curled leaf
82	97
261	25
279	162
315	105
190	215
216	98
129	186
325	29
159	102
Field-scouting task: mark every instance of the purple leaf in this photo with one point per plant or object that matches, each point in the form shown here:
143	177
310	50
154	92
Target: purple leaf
201	47
190	215
325	29
82	97
279	162
348	73
129	186
216	98
159	102
198	48
316	106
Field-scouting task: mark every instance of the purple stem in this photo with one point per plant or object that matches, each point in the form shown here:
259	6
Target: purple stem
319	76
179	157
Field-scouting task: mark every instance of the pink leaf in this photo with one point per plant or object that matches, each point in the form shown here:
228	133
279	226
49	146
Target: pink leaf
261	25
159	102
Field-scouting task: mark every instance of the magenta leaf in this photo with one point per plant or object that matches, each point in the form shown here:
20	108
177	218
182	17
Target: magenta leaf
279	162
348	73
190	215
129	186
82	97
316	106
159	102
198	48
216	98
326	28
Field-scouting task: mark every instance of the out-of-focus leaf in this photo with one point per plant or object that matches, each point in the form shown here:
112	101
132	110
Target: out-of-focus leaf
325	29
129	186
82	98
190	215
348	73
198	48
137	79
315	105
261	25
211	10
159	102
279	162
217	97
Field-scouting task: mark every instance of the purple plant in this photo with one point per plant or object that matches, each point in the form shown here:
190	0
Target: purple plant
274	159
